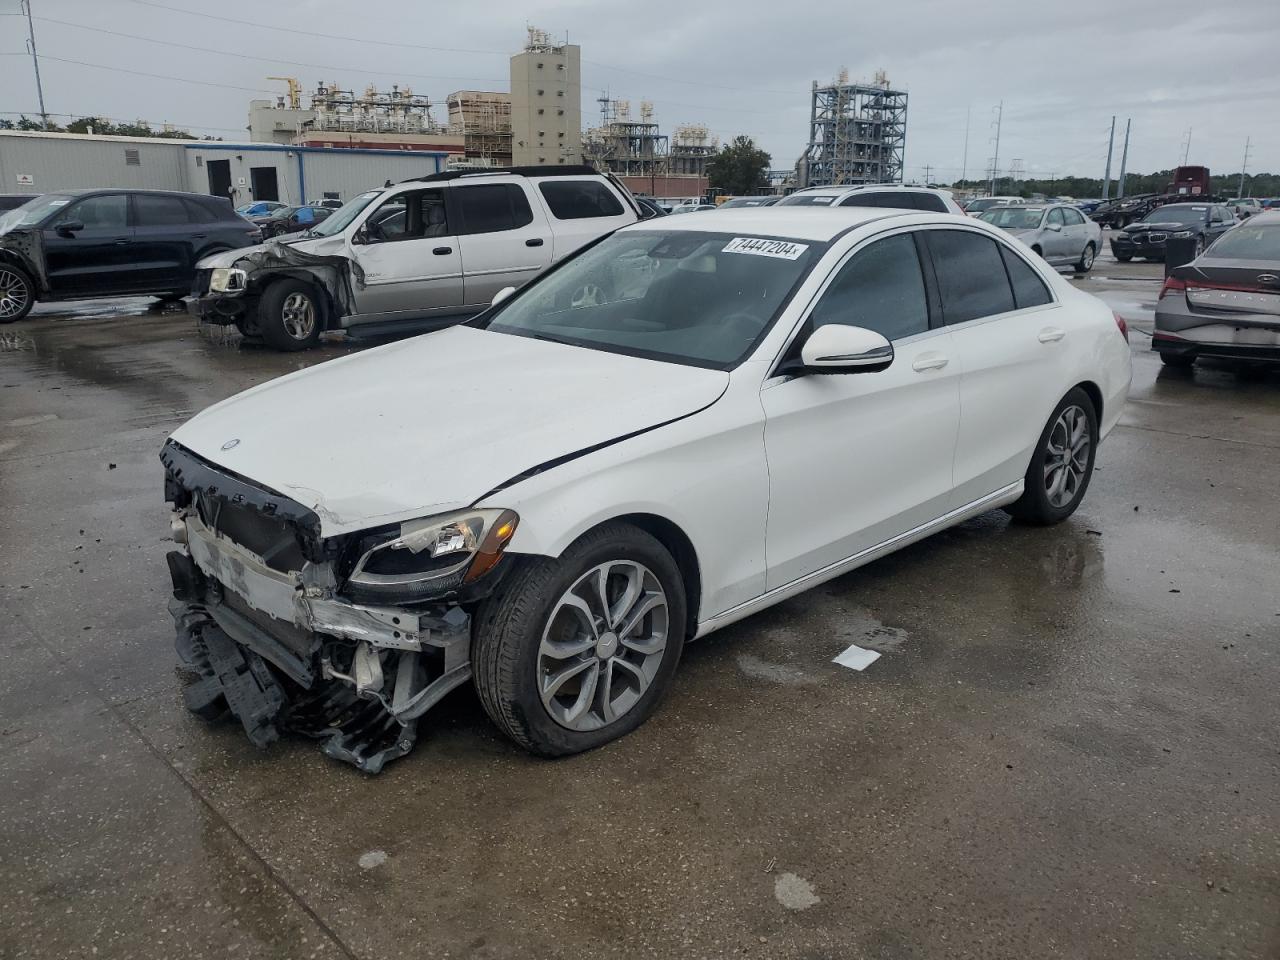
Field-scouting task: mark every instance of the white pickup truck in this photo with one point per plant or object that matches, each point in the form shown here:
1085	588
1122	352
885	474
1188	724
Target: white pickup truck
435	251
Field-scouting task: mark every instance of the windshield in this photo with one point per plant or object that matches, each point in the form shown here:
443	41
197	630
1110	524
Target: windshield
984	203
807	200
282	213
697	298
1177	214
747	202
33	211
1249	242
342	217
1015	218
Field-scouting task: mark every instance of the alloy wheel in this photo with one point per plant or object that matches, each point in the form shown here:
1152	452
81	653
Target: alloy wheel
1066	458
15	294
1087	260
603	645
298	315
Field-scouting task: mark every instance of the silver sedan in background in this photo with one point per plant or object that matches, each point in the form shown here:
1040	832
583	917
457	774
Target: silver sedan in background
1058	232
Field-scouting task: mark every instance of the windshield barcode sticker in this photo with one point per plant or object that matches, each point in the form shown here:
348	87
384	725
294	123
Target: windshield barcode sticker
783	249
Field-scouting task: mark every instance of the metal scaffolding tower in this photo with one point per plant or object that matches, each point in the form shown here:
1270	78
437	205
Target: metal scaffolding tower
857	133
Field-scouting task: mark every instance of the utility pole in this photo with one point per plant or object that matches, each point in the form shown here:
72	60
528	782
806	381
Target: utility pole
1124	159
995	160
1106	178
1186	147
35	62
1243	166
964	163
927	168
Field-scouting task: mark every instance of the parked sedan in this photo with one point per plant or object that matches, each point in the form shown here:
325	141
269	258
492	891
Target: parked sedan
1060	233
259	208
1226	302
1203	221
745	406
79	244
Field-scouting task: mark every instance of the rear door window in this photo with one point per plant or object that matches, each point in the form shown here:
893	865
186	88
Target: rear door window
928	201
492	208
579	199
154	211
1028	289
972	281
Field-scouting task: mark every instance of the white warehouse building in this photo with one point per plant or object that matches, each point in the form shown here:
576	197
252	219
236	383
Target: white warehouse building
34	162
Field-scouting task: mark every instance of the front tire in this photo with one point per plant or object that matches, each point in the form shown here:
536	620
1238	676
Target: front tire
1062	464
1085	263
17	293
571	653
289	316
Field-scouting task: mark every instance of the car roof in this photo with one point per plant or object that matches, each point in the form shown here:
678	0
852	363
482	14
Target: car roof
839	191
796	223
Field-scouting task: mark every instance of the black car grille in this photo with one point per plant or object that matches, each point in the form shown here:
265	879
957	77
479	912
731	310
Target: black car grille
271	539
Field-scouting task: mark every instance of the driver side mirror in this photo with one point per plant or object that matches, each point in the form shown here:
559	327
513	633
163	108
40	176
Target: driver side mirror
1055	227
361	236
836	348
501	295
70	228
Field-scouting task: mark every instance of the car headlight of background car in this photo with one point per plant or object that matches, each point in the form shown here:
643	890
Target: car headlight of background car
1182	234
431	557
226	280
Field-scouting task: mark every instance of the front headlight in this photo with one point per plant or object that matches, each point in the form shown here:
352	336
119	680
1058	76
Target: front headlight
432	557
226	280
1182	234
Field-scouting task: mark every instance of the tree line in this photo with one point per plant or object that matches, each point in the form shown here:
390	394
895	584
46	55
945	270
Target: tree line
1220	185
103	127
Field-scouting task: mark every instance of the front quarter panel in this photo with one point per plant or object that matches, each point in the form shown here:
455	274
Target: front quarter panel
705	473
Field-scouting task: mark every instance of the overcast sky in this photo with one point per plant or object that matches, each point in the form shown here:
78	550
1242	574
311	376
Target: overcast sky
739	66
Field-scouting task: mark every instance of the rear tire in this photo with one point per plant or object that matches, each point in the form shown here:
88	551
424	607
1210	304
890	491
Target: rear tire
1085	263
544	624
1181	361
1062	464
17	293
289	315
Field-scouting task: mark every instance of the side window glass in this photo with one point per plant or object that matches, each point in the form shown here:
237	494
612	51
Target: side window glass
492	208
1028	289
881	289
389	222
971	275
1055	216
579	199
930	202
1074	218
109	212
153	211
860	200
435	223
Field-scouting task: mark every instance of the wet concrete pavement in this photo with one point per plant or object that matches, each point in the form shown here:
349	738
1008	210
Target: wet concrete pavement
1067	749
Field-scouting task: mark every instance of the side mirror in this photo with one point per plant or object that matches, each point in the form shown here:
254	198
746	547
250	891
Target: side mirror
361	236
70	228
836	348
1055	227
501	295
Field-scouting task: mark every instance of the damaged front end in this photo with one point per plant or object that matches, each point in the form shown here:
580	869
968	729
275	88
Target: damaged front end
290	632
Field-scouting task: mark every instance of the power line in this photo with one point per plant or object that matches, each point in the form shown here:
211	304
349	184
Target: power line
156	76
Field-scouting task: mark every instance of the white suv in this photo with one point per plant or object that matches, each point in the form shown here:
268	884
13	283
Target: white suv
891	195
433	250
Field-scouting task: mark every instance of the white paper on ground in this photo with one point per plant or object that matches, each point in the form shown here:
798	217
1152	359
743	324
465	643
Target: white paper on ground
857	658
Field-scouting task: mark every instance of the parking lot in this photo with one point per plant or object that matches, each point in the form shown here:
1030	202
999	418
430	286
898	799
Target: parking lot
1067	749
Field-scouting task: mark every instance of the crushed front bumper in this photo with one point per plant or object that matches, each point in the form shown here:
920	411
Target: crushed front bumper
279	652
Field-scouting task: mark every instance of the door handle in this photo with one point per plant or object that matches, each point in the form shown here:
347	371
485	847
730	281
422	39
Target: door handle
929	361
199	236
535	242
1052	334
442	251
122	239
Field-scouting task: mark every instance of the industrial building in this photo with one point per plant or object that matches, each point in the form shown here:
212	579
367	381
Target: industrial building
37	162
546	102
857	134
483	119
645	159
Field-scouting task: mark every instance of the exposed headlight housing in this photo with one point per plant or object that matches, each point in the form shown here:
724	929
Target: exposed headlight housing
227	280
432	557
1183	234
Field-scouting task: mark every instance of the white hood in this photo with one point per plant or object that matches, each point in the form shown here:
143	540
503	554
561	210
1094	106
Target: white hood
320	246
433	423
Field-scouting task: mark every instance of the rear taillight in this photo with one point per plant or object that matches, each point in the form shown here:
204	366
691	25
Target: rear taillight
1124	327
1172	285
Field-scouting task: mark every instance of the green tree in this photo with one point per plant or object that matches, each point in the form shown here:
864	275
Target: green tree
739	169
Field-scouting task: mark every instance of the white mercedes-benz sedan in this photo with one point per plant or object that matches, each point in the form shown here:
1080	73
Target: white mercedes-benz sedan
680	425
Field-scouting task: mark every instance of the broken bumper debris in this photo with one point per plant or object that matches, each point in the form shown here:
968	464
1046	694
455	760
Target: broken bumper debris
264	639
